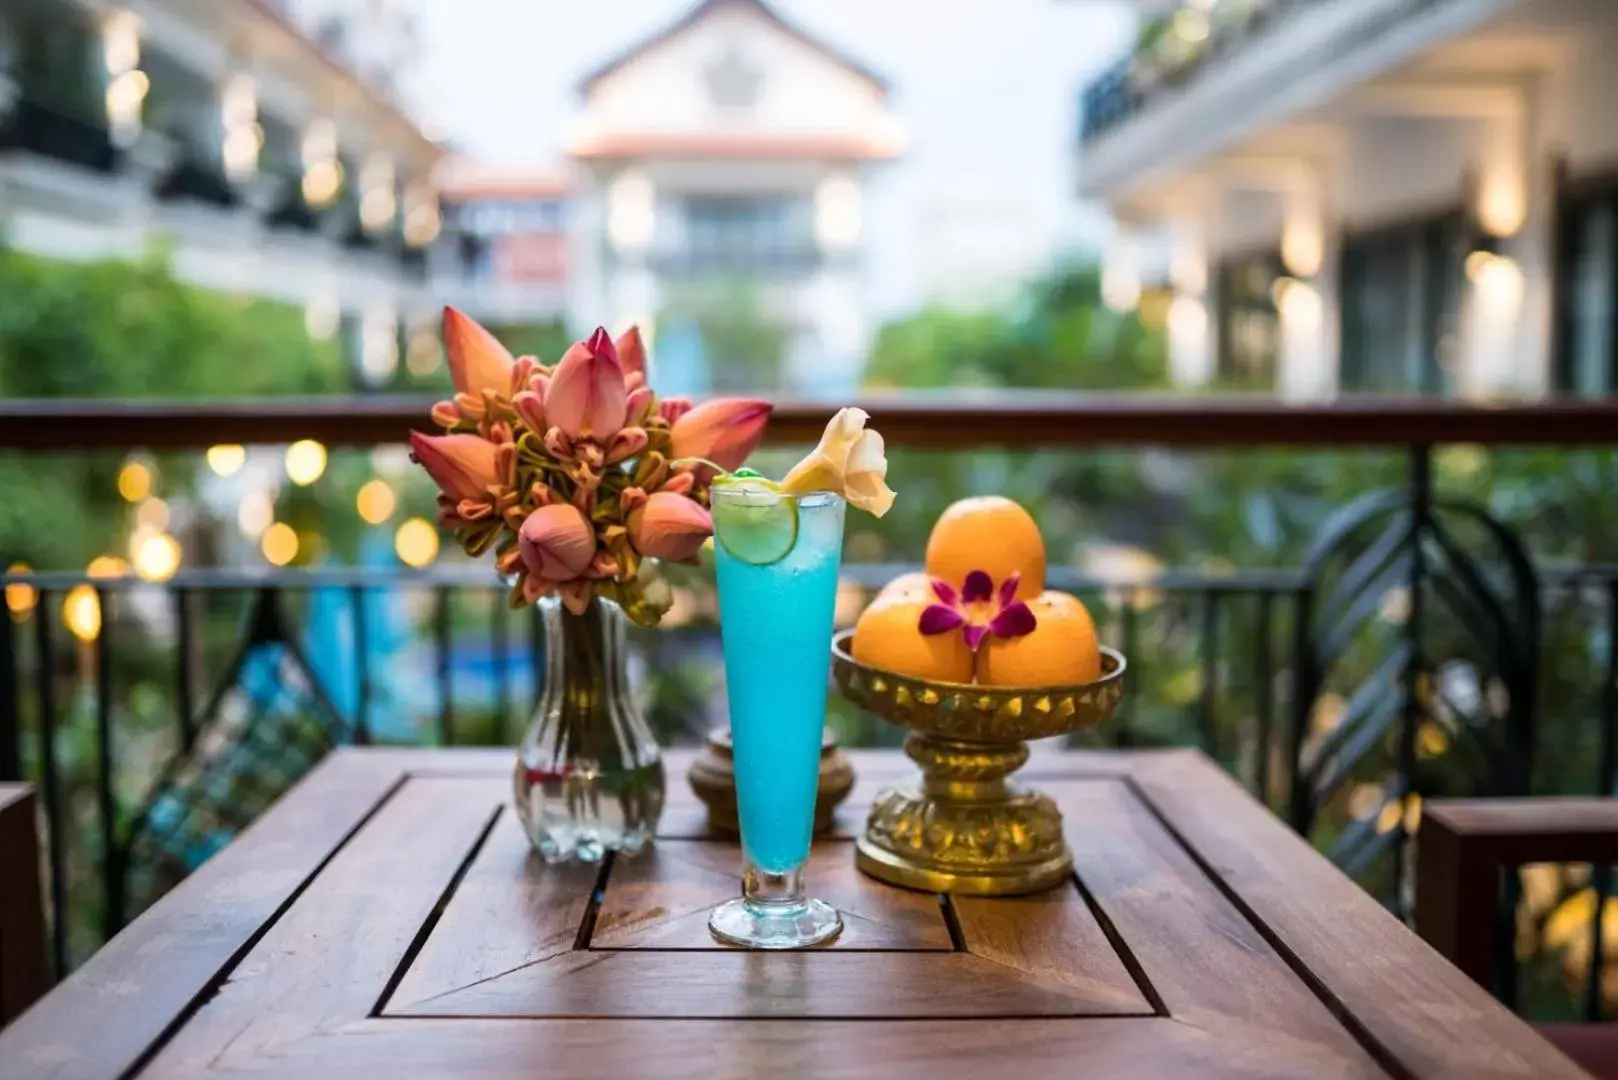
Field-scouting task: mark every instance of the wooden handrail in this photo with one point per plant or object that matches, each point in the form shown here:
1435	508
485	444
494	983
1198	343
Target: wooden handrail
935	419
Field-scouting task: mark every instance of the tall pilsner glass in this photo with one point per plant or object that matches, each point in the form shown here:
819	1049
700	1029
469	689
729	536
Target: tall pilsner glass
777	558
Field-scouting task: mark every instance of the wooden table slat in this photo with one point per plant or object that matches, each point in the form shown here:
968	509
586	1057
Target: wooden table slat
1205	961
511	909
152	971
1430	1018
331	955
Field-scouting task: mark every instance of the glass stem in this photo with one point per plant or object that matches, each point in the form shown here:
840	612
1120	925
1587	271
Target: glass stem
771	891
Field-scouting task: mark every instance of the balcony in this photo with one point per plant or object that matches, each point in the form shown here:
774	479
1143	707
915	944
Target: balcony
1434	617
33	128
1195	82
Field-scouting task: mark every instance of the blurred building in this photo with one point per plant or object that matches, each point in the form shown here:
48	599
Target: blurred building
722	165
375	39
1369	195
223	133
504	260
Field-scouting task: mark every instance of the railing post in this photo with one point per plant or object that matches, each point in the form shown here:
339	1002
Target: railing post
50	787
1419	493
1606	764
112	868
1300	809
10	700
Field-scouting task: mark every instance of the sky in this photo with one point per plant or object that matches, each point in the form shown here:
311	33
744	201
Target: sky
986	90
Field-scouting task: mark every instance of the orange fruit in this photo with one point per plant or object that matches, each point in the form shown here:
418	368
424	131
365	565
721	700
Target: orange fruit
912	586
888	637
989	533
1061	651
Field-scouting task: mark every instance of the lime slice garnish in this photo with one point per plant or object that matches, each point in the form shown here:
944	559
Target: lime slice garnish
753	521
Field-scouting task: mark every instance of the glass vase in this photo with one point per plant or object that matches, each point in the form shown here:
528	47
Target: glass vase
589	775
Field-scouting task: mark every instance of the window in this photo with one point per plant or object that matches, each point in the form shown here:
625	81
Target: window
1401	305
746	233
1249	326
1587	294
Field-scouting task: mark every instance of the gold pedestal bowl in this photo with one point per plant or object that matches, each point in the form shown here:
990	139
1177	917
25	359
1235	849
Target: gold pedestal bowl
962	827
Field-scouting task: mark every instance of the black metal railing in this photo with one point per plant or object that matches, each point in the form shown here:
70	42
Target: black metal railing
1165	62
33	127
1415	649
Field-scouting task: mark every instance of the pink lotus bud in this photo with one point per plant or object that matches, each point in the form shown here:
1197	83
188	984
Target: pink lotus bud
626	444
463	466
530	409
672	408
587	395
638	406
669	526
632	351
723	431
477	362
445	414
557	543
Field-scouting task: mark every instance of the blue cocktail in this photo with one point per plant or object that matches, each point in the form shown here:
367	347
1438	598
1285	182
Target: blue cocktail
777	558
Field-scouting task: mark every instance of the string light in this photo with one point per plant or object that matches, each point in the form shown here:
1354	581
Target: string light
81	612
376	502
416	542
255	514
279	544
20	596
305	462
107	566
157	556
226	459
134	482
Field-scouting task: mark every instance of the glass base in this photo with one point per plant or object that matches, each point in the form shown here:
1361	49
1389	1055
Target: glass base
775	926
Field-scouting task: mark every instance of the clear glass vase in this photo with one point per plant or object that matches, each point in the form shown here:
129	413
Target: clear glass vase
589	775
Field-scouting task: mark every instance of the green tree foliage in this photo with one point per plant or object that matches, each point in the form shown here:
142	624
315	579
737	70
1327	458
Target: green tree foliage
1057	336
121	329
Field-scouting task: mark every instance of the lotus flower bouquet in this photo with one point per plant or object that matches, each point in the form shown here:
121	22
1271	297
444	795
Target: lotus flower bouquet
580	479
576	474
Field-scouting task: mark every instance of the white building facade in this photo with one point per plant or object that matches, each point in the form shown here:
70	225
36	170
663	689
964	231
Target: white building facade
1370	195
220	132
722	160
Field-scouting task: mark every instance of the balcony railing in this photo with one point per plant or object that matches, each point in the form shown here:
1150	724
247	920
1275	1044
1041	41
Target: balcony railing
1175	53
1415	648
36	128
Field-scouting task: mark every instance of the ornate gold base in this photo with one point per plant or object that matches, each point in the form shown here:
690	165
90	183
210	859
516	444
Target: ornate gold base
962	828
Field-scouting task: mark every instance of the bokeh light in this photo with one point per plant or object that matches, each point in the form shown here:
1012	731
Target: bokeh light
376	502
153	514
279	544
20	596
226	459
81	612
107	566
255	514
305	462
134	482
416	542
157	556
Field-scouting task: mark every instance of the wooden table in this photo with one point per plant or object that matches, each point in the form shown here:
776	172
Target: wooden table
387	919
22	920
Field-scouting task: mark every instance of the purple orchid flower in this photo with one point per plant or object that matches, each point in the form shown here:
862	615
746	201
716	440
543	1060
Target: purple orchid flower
969	610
